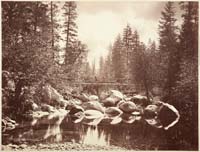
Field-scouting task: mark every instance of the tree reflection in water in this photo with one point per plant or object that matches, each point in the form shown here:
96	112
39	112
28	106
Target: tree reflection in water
137	136
94	136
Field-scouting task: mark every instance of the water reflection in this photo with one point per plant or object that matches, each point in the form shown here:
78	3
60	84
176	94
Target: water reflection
94	136
135	136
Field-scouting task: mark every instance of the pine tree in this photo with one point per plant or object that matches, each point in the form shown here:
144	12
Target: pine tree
79	57
94	72
127	37
70	15
133	56
29	55
152	57
188	37
118	62
186	90
128	44
54	23
169	54
101	73
88	73
30	37
108	66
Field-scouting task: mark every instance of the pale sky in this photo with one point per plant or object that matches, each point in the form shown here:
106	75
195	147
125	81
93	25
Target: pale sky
100	22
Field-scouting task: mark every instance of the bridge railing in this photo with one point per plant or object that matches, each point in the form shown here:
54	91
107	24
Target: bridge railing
98	87
100	83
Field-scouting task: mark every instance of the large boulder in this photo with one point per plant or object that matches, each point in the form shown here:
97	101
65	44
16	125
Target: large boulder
92	114
113	98
92	117
93	105
150	111
75	109
128	107
140	100
52	96
93	98
103	95
47	108
110	102
83	97
116	94
113	112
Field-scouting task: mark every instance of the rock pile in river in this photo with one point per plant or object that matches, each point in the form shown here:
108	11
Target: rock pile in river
114	107
91	109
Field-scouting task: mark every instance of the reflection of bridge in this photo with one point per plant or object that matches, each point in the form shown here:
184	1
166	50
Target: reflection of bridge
97	87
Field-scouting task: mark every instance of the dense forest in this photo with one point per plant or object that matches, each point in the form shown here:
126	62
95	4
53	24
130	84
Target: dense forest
171	66
32	56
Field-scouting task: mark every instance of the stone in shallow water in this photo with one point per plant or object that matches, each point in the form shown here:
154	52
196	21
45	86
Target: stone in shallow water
113	111
23	146
117	94
140	100
92	114
93	98
42	146
110	101
93	105
128	107
13	146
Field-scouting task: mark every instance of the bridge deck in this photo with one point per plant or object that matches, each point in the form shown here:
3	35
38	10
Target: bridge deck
100	83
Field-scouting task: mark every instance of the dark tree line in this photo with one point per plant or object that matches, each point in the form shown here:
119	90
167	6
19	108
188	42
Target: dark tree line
30	37
171	66
31	46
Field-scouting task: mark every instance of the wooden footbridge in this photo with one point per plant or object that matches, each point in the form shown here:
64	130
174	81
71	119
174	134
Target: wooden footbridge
97	87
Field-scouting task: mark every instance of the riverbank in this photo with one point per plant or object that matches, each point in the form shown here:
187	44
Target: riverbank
68	146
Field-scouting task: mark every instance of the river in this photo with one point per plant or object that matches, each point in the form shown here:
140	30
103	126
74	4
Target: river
136	136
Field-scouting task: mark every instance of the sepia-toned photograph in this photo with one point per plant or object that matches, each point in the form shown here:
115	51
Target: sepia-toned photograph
99	75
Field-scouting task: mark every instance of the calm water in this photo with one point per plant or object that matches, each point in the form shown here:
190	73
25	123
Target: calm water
130	136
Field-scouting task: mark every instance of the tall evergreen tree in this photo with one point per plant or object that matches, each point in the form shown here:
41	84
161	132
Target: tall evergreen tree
29	55
128	44
188	35
186	90
133	56
87	72
127	36
108	66
54	23
94	72
29	31
152	57
70	16
118	62
101	74
169	54
28	44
